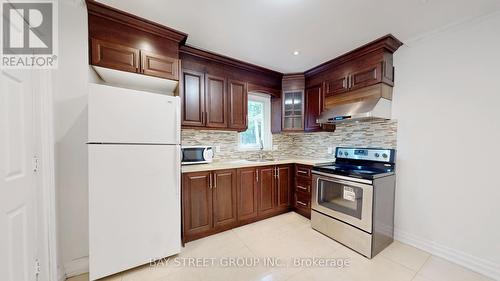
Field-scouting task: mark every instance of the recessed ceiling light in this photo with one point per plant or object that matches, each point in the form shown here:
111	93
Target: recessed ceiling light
296	53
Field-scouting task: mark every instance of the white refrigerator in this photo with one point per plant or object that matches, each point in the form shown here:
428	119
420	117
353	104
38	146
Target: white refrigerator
134	178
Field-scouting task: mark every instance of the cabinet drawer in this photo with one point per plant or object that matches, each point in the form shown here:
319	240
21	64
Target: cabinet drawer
303	171
303	185
302	201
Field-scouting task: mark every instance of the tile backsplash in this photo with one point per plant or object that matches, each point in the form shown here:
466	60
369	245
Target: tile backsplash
376	133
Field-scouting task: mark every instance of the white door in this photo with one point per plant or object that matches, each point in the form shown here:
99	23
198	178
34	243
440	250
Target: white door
17	191
118	115
134	205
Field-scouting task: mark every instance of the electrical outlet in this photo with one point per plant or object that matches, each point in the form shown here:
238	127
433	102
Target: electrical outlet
217	148
330	150
275	147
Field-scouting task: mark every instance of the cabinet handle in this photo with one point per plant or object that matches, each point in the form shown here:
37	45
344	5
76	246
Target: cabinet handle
301	203
344	82
302	172
278	173
257	175
215	180
301	187
210	179
202	117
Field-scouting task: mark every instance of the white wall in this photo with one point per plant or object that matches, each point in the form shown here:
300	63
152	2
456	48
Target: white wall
70	129
447	103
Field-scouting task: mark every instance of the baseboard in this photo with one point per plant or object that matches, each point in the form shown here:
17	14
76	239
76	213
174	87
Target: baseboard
61	275
473	263
76	267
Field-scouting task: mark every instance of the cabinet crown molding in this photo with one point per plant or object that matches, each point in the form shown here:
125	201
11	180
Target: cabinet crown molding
110	13
388	43
190	50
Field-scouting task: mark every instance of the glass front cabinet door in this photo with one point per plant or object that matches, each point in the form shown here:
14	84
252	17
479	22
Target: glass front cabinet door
293	110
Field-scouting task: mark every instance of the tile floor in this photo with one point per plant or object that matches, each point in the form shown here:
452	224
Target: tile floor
290	236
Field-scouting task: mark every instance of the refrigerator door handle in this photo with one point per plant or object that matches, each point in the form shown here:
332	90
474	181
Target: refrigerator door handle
178	160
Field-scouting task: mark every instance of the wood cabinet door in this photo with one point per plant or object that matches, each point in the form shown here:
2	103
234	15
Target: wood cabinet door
314	107
215	101
284	186
267	190
237	109
193	98
197	204
247	192
366	76
336	85
159	66
116	56
276	109
224	198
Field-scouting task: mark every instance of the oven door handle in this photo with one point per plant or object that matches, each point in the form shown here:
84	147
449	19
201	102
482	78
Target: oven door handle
335	178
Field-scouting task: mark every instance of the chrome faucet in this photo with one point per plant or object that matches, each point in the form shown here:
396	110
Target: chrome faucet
261	154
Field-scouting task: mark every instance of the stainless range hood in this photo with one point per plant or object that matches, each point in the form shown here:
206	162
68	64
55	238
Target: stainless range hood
365	104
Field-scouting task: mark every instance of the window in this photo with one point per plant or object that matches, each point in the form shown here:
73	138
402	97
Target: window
258	132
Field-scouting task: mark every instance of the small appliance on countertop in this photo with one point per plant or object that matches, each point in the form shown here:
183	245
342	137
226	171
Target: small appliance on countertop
197	154
353	199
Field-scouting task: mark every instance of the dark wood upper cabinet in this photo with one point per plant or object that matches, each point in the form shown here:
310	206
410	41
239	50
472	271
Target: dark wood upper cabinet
247	190
196	203
267	190
112	55
336	85
193	98
238	100
224	198
227	85
159	66
276	108
366	76
314	106
284	184
126	42
215	101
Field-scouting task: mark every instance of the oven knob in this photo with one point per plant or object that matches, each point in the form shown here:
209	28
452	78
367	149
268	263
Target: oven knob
345	153
384	155
377	155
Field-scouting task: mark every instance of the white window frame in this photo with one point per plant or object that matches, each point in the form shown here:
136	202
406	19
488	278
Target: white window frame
267	137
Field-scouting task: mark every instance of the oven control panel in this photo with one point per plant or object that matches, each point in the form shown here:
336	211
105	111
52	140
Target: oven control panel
369	154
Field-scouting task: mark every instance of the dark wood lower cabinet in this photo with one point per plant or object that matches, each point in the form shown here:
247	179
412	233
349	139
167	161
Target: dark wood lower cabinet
247	193
224	198
215	201
284	183
196	204
302	192
267	189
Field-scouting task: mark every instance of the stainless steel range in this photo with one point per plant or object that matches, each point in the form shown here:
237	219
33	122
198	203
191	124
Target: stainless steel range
353	199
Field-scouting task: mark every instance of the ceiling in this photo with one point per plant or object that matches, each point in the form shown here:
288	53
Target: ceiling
267	32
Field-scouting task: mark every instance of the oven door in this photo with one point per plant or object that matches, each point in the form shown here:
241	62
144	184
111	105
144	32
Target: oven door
345	200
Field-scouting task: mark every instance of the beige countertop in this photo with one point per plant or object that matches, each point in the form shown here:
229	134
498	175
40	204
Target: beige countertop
234	164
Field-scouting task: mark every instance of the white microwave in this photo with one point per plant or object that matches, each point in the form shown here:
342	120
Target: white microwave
197	154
